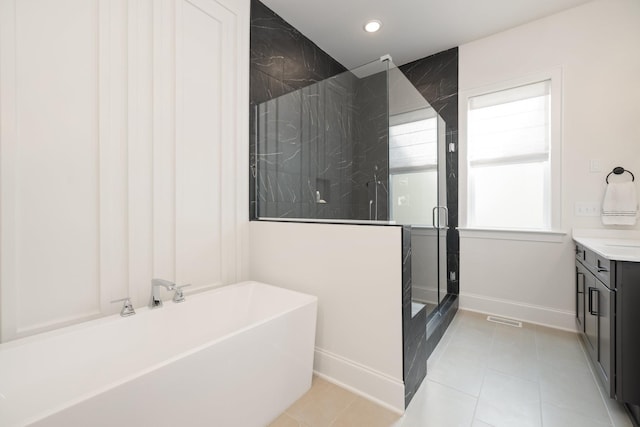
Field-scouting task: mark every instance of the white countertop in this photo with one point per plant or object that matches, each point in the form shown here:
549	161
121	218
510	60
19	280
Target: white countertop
613	248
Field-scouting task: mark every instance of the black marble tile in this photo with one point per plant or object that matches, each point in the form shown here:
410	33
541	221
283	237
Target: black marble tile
270	65
282	51
453	264
282	61
439	323
414	328
453	241
436	78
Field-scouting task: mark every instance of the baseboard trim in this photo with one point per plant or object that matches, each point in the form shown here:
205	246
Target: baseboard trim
359	379
539	315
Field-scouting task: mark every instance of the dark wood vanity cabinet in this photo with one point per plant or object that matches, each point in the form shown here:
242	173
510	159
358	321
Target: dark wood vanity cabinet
595	312
628	333
608	320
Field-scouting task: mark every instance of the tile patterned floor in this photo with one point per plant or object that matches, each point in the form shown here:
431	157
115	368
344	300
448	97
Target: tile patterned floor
327	405
481	374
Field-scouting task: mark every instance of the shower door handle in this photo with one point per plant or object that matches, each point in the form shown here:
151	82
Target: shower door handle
446	217
433	217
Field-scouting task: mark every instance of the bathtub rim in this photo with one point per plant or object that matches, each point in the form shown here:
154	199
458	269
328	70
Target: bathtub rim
46	335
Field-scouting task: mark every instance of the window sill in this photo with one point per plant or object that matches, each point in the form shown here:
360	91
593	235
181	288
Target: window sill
551	236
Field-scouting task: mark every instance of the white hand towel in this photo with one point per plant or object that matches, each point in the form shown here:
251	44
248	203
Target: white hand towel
620	204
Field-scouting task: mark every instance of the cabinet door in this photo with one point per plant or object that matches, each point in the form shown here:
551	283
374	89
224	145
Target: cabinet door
627	370
590	315
603	301
580	278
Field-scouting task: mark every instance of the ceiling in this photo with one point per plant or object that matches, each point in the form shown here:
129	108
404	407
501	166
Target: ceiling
411	29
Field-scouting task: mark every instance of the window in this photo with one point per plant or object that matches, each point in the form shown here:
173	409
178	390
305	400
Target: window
511	158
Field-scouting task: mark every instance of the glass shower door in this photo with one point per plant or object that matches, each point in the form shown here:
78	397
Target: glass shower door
417	179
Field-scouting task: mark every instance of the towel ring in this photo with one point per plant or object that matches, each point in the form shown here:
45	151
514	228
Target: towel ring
619	171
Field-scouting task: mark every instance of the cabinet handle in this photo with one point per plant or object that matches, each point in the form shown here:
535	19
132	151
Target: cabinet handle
578	276
579	289
591	310
601	269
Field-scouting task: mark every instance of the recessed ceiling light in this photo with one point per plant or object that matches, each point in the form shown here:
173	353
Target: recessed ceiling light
372	26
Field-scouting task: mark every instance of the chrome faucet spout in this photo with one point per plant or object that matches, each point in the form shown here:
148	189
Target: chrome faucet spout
156	284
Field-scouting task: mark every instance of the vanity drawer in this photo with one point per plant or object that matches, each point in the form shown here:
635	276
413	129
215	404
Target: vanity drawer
600	266
581	253
603	271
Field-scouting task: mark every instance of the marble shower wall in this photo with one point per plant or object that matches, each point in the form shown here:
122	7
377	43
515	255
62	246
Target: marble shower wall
282	58
320	148
436	78
305	141
316	134
282	61
371	148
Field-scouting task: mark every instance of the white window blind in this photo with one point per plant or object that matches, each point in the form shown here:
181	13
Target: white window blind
508	158
511	124
413	139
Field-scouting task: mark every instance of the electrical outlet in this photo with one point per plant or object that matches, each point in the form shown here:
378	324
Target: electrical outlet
587	209
595	166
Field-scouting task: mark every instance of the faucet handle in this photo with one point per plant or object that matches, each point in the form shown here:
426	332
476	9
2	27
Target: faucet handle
179	295
127	307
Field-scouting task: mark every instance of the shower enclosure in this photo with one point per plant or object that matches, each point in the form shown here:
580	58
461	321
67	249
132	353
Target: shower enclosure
363	146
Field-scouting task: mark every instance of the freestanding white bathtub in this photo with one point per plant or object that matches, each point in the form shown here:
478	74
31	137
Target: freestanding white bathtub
235	356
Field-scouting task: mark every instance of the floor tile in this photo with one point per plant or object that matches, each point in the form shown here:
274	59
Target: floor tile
438	405
321	405
559	348
553	416
508	401
572	389
460	369
508	336
514	353
285	420
481	374
617	412
365	413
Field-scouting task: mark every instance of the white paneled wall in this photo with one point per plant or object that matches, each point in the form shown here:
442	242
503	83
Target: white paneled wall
122	149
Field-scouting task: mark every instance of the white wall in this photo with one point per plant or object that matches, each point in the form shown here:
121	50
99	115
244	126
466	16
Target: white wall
123	153
356	273
596	45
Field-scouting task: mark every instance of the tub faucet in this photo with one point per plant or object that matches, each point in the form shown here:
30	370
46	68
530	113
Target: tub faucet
127	307
156	300
179	295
